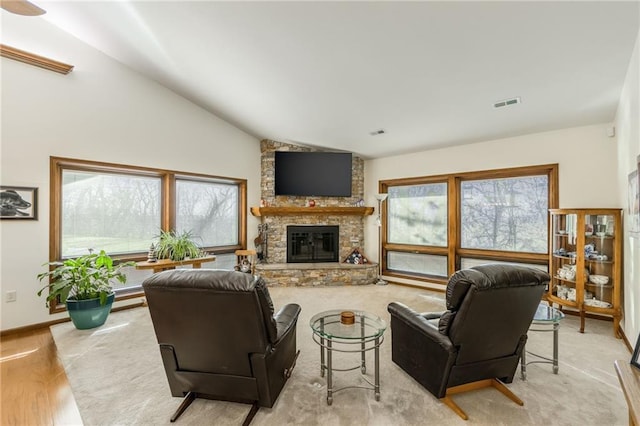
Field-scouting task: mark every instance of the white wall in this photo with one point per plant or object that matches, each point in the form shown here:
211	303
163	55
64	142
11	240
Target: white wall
628	129
585	155
101	111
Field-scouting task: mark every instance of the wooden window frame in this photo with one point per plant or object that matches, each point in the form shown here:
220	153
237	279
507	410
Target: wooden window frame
453	250
167	216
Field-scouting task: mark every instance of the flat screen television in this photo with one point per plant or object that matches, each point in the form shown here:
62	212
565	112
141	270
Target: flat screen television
313	174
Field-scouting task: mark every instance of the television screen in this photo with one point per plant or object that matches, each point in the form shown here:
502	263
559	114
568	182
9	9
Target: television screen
313	174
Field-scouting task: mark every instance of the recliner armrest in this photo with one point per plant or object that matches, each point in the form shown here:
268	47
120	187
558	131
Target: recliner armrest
286	319
421	324
432	315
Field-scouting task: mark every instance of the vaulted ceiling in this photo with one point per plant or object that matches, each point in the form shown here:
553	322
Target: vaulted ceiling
329	74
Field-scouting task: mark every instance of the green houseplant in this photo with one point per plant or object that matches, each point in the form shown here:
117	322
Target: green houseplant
177	246
84	285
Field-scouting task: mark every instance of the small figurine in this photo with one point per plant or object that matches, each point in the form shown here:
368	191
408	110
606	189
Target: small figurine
151	256
244	266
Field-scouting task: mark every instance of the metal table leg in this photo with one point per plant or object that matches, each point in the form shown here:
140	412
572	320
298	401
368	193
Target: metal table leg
376	352
322	365
329	374
556	325
363	365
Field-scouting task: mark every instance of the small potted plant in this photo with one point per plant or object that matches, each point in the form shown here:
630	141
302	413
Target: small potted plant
84	285
177	246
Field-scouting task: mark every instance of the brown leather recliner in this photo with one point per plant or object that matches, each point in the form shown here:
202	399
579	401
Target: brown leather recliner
478	341
219	337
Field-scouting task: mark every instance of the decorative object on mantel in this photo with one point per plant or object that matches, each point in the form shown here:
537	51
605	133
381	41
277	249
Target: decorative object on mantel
17	202
356	257
380	198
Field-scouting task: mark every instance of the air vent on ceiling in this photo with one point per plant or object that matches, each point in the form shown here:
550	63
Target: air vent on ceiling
377	132
507	102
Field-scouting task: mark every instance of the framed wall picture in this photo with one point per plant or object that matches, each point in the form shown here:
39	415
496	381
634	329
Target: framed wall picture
635	358
18	202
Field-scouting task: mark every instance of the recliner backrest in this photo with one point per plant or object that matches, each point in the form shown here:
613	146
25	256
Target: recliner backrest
490	308
212	318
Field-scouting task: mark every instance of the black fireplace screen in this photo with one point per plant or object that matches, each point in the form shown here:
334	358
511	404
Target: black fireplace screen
308	244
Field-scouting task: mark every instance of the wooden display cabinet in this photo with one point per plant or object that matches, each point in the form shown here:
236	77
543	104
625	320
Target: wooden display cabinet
585	262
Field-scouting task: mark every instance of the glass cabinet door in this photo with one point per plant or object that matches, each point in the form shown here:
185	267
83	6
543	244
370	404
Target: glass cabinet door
564	267
599	255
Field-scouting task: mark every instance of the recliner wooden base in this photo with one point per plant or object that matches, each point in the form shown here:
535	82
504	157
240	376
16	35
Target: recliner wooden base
191	396
473	386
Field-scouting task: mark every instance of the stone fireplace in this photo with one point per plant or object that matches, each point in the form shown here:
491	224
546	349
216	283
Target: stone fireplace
288	212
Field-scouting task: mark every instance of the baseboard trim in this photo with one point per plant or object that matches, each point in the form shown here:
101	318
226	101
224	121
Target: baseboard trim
47	324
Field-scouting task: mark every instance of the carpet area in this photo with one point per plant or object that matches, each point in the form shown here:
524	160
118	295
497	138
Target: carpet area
117	376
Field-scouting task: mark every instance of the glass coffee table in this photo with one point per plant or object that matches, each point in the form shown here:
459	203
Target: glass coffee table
348	331
547	318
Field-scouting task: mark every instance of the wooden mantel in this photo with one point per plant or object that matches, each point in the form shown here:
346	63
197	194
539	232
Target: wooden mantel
316	211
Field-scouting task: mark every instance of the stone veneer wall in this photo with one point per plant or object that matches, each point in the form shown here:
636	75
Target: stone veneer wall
317	274
351	227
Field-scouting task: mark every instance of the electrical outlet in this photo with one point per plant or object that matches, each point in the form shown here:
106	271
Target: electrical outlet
12	296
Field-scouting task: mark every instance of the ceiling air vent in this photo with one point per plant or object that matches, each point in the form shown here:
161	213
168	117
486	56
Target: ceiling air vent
507	102
377	132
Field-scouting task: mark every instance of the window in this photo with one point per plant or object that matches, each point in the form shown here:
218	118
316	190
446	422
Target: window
435	225
115	212
416	263
418	214
122	209
505	214
209	209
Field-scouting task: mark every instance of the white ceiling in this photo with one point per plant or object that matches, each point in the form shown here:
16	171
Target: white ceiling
329	73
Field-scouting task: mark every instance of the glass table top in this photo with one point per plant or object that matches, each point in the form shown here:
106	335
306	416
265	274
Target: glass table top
546	313
366	325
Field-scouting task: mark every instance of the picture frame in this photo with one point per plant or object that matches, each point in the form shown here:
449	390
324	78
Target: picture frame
18	203
635	358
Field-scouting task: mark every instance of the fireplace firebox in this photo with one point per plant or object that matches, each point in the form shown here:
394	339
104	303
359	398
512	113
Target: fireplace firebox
310	244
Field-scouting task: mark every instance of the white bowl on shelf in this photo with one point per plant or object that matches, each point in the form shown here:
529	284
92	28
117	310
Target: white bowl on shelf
599	279
597	303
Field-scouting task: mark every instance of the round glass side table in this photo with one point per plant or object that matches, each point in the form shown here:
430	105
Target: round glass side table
547	318
364	334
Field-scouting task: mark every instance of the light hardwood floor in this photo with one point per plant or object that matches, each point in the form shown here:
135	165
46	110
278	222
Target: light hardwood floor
34	387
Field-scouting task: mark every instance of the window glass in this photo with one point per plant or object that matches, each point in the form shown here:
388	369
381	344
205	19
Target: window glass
417	214
209	210
505	214
466	263
116	212
424	264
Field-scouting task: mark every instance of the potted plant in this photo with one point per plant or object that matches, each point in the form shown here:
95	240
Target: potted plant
84	285
177	246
